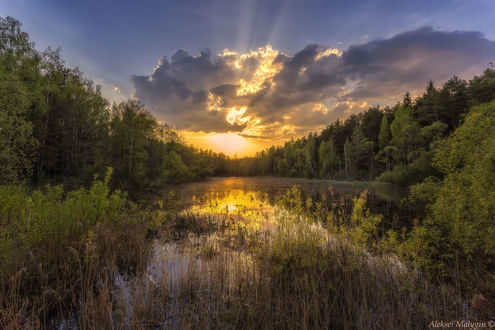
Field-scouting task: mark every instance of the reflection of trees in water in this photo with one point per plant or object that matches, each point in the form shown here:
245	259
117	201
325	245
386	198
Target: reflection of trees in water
326	197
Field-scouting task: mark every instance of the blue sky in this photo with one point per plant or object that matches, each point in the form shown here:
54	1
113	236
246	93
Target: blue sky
112	40
119	43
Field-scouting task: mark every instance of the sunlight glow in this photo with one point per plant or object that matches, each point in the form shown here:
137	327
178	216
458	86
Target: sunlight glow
229	143
320	107
264	73
253	127
327	52
254	71
235	116
249	209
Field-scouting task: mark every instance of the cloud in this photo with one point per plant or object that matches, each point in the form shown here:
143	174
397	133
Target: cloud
384	69
266	93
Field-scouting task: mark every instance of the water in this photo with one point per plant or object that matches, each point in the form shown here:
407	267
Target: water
257	196
238	208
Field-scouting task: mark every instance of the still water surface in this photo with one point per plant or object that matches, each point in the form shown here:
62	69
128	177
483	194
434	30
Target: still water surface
248	205
258	195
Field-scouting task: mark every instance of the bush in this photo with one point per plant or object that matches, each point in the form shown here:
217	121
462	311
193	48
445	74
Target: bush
55	247
455	241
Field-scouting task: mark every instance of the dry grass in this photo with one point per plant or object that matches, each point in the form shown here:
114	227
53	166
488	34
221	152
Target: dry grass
298	277
283	272
78	287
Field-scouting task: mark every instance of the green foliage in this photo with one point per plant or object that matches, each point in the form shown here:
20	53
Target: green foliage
482	88
292	200
282	166
17	144
419	160
47	219
133	129
295	248
364	225
458	232
384	135
425	106
360	154
395	144
55	125
452	102
405	131
328	159
67	131
174	168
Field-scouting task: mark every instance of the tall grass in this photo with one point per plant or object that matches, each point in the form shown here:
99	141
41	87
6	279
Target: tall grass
300	276
84	260
58	250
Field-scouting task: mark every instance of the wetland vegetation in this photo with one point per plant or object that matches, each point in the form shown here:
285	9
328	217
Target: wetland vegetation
108	219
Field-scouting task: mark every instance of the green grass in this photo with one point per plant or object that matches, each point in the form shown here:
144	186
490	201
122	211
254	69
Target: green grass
56	248
83	257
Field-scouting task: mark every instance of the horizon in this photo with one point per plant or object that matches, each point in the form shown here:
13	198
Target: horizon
238	78
134	194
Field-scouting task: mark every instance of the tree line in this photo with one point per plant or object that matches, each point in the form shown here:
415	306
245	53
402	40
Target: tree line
56	126
394	144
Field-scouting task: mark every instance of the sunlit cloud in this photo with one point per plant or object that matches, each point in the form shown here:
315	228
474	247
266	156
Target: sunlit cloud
327	52
253	128
321	108
287	129
265	94
235	116
214	102
262	75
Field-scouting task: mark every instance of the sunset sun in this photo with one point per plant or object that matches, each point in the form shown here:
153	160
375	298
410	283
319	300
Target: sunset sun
229	143
248	164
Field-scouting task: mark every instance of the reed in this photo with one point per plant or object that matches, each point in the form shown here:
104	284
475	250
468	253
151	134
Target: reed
90	262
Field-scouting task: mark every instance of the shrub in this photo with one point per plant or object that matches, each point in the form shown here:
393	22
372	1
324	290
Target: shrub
455	241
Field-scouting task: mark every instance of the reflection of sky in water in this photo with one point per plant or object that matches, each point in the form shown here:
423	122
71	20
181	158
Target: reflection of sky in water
248	203
233	201
228	191
243	207
192	192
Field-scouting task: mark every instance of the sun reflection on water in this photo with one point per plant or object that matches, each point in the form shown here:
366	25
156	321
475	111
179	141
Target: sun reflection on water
245	209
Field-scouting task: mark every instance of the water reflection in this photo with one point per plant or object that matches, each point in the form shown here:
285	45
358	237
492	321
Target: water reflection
252	199
224	225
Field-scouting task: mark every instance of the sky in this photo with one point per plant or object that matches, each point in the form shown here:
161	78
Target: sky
239	76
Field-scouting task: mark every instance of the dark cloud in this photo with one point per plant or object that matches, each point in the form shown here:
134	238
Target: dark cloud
225	90
197	92
177	91
288	76
386	68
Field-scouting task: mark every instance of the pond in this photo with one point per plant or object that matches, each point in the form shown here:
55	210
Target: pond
259	194
225	226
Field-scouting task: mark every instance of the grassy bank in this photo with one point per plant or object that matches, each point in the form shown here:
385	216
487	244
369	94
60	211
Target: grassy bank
58	250
91	259
296	275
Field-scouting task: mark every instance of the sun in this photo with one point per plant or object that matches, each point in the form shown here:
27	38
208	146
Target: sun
229	143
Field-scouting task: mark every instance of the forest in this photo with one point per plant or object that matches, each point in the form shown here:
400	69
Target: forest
72	164
391	144
56	126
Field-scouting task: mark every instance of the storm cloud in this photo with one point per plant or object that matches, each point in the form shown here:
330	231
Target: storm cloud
267	93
